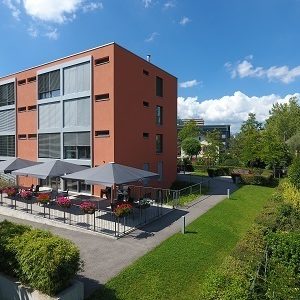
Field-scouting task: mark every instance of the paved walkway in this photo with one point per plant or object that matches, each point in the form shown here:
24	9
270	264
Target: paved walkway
105	257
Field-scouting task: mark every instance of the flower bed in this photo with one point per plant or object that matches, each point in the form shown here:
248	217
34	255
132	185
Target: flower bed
64	202
88	207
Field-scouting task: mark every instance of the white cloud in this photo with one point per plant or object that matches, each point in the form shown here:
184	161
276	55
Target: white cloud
184	20
245	68
92	6
58	11
231	110
151	37
147	3
52	34
13	5
189	84
169	4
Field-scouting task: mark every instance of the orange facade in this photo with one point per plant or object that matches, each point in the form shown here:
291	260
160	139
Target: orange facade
126	114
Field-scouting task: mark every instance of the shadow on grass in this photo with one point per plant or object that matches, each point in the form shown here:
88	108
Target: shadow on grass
102	293
191	232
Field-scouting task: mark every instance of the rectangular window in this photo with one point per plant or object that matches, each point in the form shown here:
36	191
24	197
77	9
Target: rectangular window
21	82
31	107
7	120
160	170
102	60
102	133
145	72
159	143
49	145
145	135
77	113
31	79
7	145
22	137
7	94
159	115
159	87
49	84
32	136
77	145
22	109
77	78
102	97
50	115
146	104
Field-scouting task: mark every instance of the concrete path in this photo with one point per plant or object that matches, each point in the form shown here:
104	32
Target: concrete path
105	257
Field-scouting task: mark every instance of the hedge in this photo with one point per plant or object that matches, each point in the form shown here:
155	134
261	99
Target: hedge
38	258
252	179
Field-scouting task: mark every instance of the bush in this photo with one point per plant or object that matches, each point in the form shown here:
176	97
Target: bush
294	173
252	179
37	258
290	194
219	171
47	262
8	261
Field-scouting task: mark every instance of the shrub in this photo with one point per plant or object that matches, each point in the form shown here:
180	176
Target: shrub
294	173
47	263
252	179
290	194
8	231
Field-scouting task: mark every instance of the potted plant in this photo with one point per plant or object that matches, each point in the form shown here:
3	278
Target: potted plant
27	195
43	198
144	203
64	202
88	207
11	191
123	209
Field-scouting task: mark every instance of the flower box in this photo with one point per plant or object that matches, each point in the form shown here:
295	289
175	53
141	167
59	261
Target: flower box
64	202
88	207
27	195
43	198
123	209
11	191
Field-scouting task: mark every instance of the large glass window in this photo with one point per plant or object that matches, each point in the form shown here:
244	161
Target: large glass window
7	145
77	112
77	145
159	143
77	78
49	84
50	115
159	87
49	145
159	115
7	120
7	94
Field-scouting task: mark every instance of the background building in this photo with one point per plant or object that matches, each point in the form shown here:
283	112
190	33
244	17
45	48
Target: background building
101	105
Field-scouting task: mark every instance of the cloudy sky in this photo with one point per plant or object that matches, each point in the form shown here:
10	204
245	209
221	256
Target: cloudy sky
231	57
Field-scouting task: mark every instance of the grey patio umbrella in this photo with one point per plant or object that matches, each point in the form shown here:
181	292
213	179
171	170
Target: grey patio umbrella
15	163
110	174
53	168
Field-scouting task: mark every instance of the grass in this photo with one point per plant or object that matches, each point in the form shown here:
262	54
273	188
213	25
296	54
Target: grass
177	268
186	199
200	173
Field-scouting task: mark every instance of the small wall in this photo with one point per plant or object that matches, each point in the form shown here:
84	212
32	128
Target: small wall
10	289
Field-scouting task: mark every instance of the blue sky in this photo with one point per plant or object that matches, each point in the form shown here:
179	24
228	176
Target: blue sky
231	57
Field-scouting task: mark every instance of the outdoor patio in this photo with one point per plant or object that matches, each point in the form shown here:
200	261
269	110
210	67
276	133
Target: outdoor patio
103	220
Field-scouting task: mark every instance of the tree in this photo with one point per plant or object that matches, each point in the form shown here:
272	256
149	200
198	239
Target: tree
191	147
249	142
189	130
213	147
294	173
294	144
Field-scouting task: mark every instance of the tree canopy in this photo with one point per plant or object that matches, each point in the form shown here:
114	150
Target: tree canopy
189	130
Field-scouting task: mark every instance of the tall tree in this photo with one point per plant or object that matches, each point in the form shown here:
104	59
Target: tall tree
189	130
213	147
249	142
191	146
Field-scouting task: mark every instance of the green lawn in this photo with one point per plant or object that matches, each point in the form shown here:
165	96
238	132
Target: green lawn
177	268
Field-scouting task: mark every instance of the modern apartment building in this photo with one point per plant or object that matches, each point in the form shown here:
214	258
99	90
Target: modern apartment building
100	105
